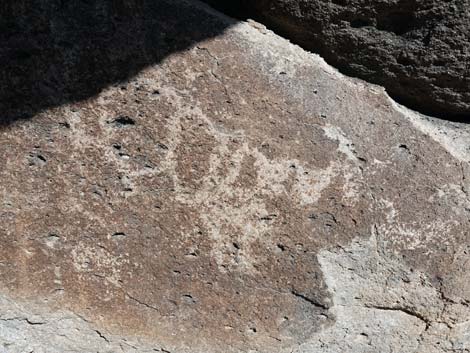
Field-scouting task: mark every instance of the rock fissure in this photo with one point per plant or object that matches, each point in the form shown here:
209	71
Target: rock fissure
408	311
309	300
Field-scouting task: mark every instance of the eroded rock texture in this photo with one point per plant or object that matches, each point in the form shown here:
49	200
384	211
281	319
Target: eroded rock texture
417	49
57	52
237	196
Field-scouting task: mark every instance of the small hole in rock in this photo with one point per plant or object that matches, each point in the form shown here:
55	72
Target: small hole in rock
189	298
281	247
119	235
124	120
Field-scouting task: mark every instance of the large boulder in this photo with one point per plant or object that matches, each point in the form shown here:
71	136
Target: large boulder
57	52
417	49
239	195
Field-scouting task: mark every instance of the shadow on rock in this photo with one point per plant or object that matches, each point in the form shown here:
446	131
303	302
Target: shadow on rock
416	49
57	52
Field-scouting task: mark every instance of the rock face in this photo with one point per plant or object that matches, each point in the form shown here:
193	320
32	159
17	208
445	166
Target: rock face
237	196
57	52
417	49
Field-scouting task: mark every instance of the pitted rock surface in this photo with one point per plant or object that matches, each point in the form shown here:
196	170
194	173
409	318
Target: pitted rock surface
417	49
58	52
238	196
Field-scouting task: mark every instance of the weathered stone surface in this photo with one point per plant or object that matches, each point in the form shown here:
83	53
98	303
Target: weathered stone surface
57	52
417	49
238	196
28	327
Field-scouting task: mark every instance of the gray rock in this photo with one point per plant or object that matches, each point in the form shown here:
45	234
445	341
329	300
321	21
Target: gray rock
417	49
28	327
58	52
239	195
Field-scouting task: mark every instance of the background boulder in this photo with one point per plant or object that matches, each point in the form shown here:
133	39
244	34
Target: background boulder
417	49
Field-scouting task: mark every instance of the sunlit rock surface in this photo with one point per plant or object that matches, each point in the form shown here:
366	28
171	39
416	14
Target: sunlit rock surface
238	196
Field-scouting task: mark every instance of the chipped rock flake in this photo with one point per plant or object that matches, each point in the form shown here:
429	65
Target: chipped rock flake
380	304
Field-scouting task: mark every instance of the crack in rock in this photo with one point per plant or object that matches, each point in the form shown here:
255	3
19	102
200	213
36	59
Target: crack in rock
373	317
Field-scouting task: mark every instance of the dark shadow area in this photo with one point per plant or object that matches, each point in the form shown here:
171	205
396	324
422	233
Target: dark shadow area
54	52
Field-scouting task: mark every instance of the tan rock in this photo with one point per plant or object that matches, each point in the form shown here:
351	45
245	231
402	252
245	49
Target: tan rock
238	196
